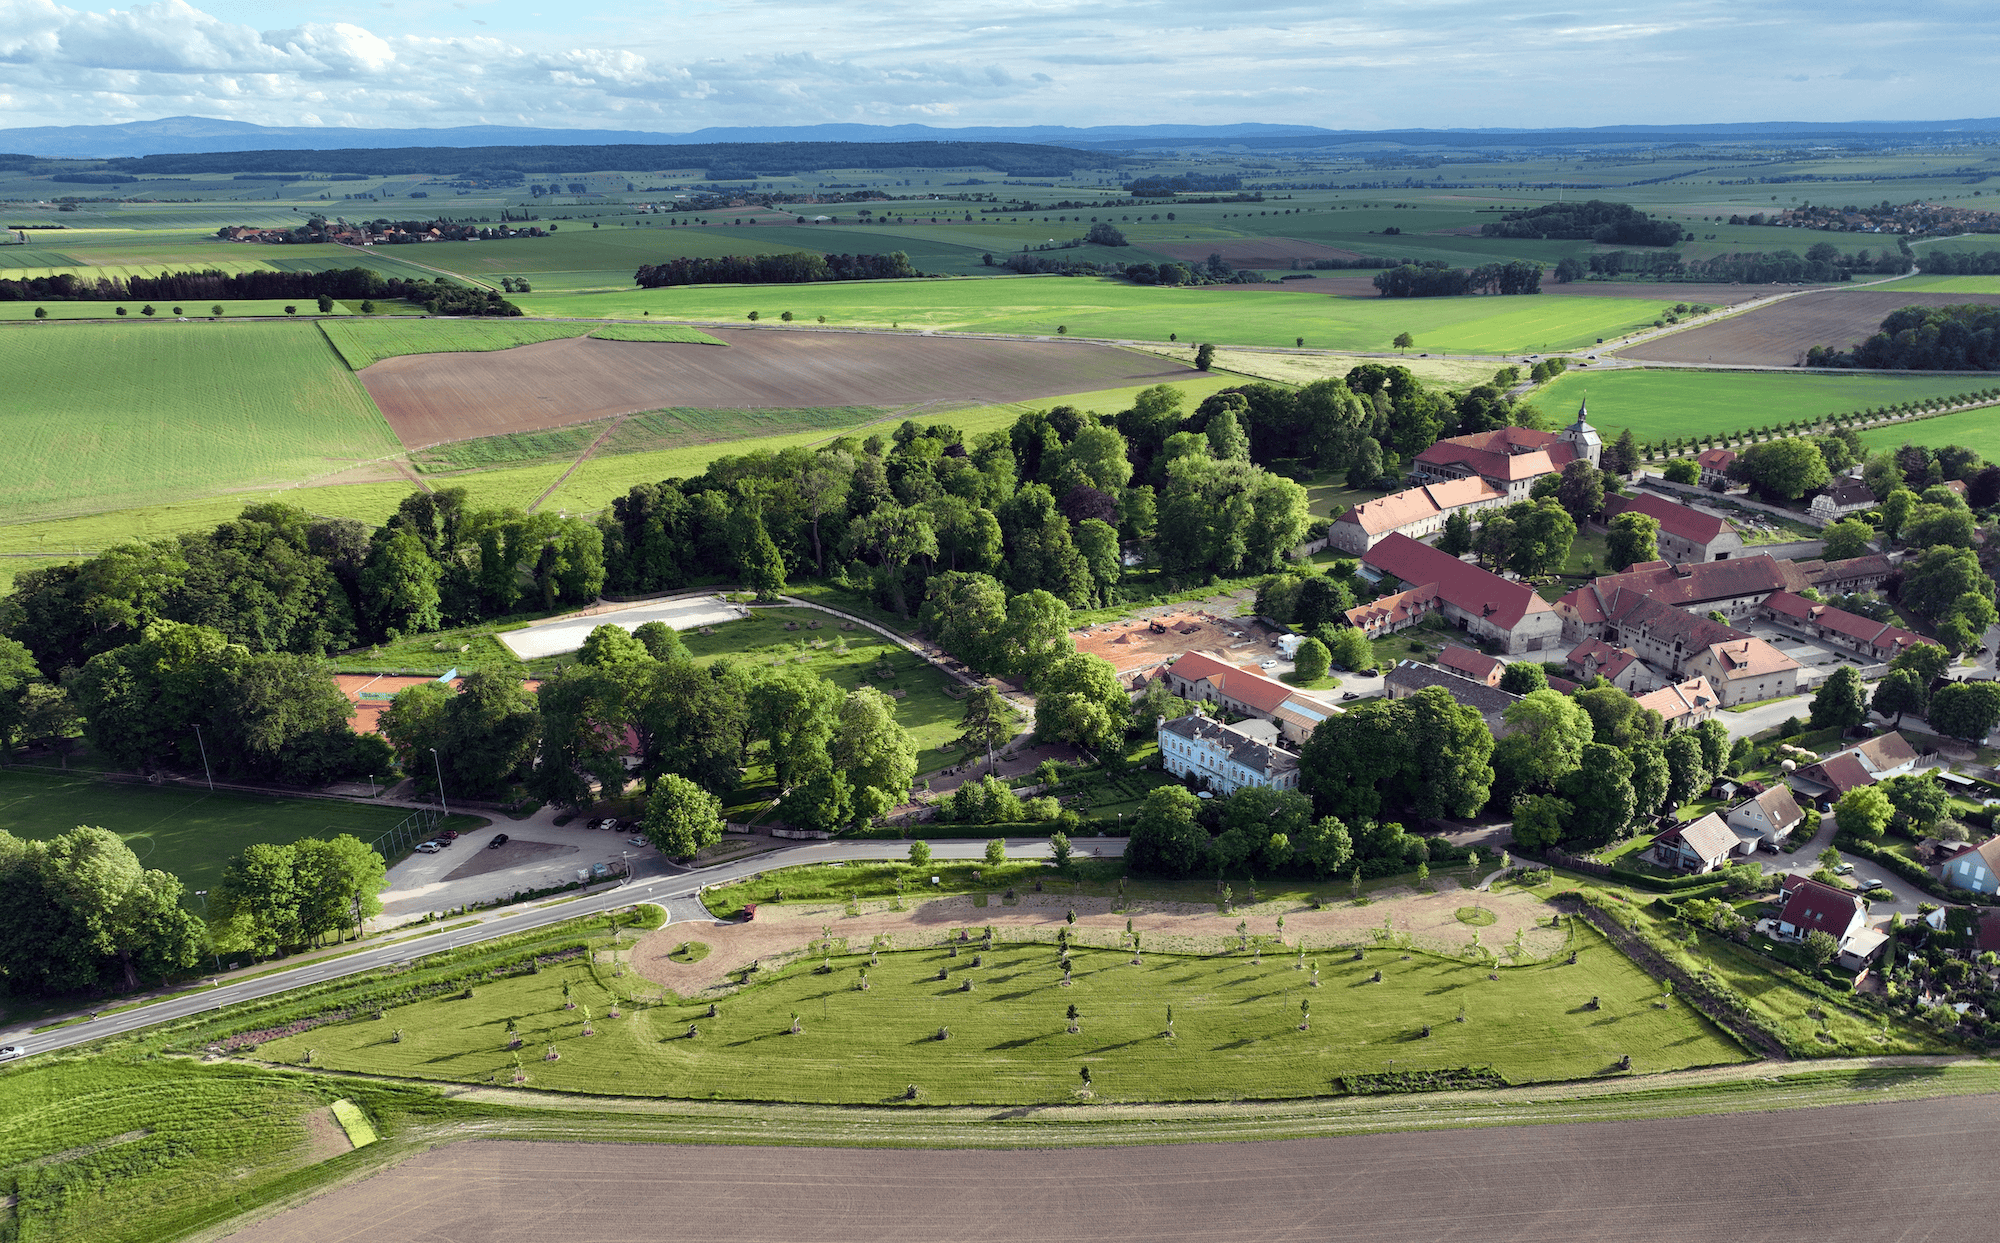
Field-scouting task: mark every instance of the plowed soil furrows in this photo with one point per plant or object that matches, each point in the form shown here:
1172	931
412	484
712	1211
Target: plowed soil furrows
1788	1175
438	397
1779	335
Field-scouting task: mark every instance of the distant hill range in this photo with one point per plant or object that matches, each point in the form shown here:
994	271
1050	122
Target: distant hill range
203	136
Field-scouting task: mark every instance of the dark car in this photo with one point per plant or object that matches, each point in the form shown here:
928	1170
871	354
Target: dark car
499	839
449	835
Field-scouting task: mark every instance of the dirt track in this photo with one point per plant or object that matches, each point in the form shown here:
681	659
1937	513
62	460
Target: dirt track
1779	335
1818	1174
431	398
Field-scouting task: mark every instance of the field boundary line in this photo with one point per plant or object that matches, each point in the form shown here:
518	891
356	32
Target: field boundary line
616	421
470	280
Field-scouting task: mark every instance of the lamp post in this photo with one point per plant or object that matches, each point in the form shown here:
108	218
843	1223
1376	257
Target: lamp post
625	860
203	895
440	772
204	759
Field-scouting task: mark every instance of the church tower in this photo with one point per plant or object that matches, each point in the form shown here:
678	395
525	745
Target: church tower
1589	444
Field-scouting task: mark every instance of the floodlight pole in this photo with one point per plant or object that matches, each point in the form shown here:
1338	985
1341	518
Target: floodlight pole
204	759
440	772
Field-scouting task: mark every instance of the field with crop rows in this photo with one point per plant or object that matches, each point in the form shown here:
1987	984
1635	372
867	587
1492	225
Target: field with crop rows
103	417
654	332
362	343
1658	403
1228	315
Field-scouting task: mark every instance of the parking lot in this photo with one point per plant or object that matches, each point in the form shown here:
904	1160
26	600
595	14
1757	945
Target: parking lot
539	854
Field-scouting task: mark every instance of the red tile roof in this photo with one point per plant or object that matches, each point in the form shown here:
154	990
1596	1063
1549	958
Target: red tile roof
1400	509
1466	587
1251	689
1393	610
1715	459
1504	453
1682	699
1686	585
1681	521
1885	640
1595	658
1475	665
1816	907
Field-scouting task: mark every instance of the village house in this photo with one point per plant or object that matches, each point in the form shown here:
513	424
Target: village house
1509	458
1698	846
1682	705
1620	666
1409	677
1845	495
1977	869
1733	588
1227	757
1745	670
1740	668
1416	512
1714	465
1204	678
1768	818
1385	615
1467	663
1686	533
1877	759
1838	578
1876	642
1812	906
1481	603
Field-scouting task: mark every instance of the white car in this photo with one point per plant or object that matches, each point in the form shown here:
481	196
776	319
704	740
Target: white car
607	824
9	1052
1269	664
428	848
636	841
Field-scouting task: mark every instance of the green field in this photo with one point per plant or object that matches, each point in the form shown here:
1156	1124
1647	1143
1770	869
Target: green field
184	830
245	308
365	342
1978	430
1236	1024
1921	283
115	1149
105	417
1228	315
1658	403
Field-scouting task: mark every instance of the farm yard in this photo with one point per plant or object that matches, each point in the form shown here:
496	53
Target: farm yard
1778	335
1658	403
430	398
111	416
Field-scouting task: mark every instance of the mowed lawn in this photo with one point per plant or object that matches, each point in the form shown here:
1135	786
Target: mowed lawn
1225	315
114	416
1659	403
186	831
1236	1027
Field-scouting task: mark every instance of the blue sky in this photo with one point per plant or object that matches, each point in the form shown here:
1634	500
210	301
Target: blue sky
675	65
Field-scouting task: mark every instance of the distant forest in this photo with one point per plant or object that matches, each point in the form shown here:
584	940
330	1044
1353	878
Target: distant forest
1924	338
1593	220
796	268
722	160
1435	280
437	297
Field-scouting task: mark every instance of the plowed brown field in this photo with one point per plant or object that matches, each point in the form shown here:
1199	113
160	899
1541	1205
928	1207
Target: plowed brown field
431	398
1740	1178
1779	335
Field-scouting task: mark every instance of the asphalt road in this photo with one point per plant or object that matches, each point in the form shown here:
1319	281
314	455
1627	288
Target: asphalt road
656	881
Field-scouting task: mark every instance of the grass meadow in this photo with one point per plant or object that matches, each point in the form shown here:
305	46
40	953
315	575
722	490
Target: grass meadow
1658	403
1226	315
1975	429
184	830
1921	283
105	417
1236	1027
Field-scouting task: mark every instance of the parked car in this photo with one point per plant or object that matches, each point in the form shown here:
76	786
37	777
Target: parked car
499	839
607	823
1843	868
636	841
1872	883
1269	664
1350	695
449	835
9	1052
428	848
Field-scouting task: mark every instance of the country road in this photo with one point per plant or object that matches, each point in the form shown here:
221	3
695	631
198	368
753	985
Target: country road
656	881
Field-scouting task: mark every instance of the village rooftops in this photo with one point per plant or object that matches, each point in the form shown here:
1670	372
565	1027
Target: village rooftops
1250	689
1475	665
1414	505
1880	638
1596	658
1409	677
1682	703
1505	453
1677	520
1683	586
1862	765
1472	590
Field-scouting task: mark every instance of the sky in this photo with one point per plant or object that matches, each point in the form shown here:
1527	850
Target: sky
678	65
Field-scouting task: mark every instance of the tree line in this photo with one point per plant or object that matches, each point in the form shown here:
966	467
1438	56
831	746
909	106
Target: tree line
1434	280
1959	263
438	296
794	268
1618	224
1822	263
1924	338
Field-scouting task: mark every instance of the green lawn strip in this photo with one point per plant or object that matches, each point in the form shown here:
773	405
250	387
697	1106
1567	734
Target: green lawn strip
360	1132
186	831
113	416
655	332
1662	403
1237	1028
1115	309
1975	429
363	343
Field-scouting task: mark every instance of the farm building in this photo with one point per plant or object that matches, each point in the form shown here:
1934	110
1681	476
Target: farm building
1745	670
1227	757
1397	611
1620	666
1467	663
1686	533
1863	573
1740	668
1683	705
1733	588
1476	601
1874	641
1415	512
1409	677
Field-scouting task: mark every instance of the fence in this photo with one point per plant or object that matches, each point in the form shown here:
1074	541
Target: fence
419	826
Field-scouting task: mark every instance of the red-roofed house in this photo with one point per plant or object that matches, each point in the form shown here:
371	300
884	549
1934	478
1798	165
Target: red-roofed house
1476	601
1871	640
1415	512
1397	611
1686	534
1683	705
1509	458
1620	666
1698	846
1746	670
1470	664
1878	759
1714	465
1240	692
1811	906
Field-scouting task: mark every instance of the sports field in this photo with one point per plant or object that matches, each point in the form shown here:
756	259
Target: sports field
1658	403
104	417
1227	315
184	830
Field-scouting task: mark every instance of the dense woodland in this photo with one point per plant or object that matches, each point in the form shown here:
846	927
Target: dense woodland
438	297
1924	338
1594	220
794	268
1435	280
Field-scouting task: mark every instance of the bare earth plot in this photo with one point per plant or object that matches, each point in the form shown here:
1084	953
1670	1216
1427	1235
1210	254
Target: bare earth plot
431	398
1789	1175
1779	335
